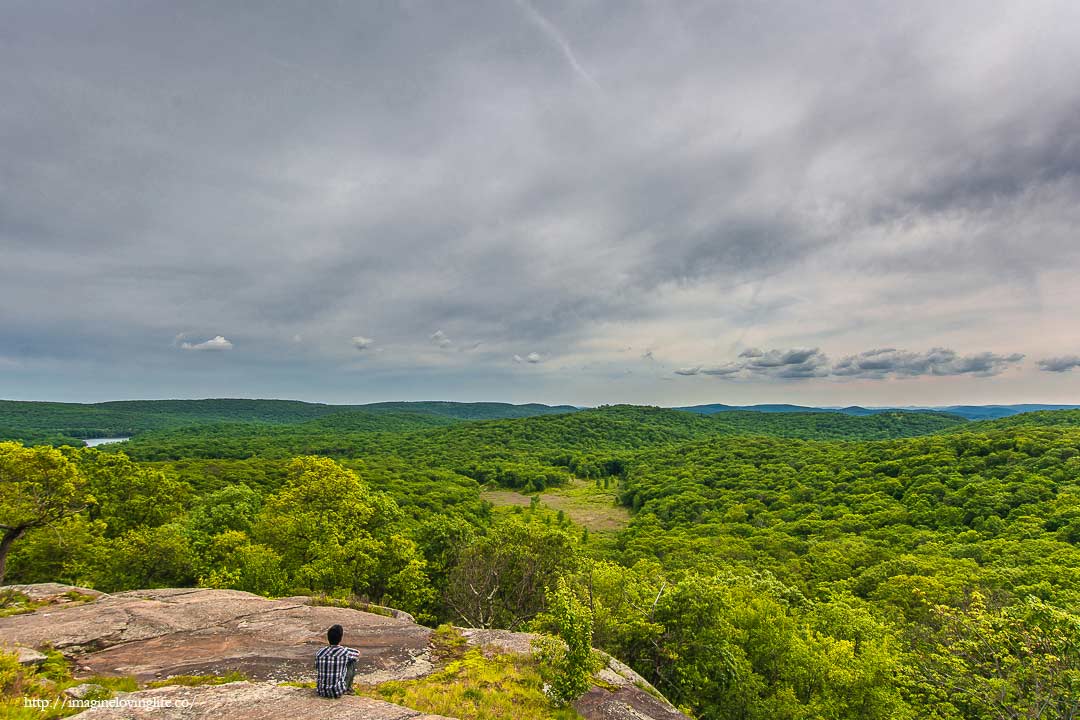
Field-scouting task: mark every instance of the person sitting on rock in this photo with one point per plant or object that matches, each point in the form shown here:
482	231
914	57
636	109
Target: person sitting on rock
335	666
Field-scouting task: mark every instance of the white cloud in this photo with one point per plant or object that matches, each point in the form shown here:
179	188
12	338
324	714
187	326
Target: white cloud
439	338
533	358
362	343
217	342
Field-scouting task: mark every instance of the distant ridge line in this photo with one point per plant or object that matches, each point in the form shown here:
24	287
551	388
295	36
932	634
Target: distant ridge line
970	412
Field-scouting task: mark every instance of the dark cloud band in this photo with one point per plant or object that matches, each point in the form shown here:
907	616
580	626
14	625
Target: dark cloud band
1061	364
872	364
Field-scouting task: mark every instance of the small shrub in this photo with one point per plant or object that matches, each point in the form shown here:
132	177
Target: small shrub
353	602
566	661
448	643
478	687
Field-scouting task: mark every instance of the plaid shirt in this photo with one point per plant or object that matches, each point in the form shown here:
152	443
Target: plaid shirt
330	664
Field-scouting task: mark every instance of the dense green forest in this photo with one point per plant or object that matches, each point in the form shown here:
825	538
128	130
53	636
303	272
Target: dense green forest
774	565
48	421
1031	419
604	429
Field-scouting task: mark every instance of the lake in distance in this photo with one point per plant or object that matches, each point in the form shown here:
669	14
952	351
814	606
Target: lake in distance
94	442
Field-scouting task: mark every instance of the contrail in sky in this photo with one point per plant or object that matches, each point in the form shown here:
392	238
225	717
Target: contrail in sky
553	33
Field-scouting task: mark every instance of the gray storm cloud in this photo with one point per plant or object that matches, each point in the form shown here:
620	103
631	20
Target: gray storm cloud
491	176
883	362
778	364
872	364
1060	364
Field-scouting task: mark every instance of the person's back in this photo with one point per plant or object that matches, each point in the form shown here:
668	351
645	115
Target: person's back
335	666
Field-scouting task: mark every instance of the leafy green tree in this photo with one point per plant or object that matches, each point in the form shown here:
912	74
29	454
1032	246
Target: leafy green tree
499	579
38	488
566	660
63	552
234	507
147	557
128	495
1021	661
622	602
334	534
239	564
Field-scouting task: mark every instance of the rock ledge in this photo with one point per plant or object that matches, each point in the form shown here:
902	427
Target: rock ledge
159	633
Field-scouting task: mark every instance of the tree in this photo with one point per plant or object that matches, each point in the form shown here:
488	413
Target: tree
233	507
128	495
147	557
333	533
242	565
499	579
566	660
1021	661
38	487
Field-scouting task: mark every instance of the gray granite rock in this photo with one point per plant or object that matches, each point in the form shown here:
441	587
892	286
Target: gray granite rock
247	701
80	691
26	656
155	634
50	591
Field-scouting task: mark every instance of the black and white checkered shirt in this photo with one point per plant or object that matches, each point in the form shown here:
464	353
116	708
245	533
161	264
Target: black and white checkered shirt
330	664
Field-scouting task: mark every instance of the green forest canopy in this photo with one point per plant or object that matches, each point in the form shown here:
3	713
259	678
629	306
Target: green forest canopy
45	421
783	565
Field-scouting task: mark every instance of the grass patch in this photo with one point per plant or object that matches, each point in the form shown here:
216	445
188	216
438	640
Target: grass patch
353	602
46	683
13	602
588	506
448	643
645	687
579	503
477	687
580	500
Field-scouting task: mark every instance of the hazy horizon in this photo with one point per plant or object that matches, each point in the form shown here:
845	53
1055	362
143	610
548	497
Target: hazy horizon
585	203
526	402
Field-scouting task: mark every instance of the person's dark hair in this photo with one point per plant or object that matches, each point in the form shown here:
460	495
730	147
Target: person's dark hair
334	634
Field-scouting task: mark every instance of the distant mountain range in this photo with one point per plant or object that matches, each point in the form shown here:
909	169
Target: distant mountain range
971	412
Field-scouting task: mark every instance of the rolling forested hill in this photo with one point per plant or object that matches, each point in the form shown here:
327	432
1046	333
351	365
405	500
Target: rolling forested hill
969	412
474	410
1045	418
762	565
608	429
47	421
834	426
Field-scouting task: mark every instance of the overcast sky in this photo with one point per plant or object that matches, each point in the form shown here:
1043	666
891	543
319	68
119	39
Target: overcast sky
581	202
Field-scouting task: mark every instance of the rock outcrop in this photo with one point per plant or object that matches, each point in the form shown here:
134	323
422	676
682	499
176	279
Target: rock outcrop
250	701
156	634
